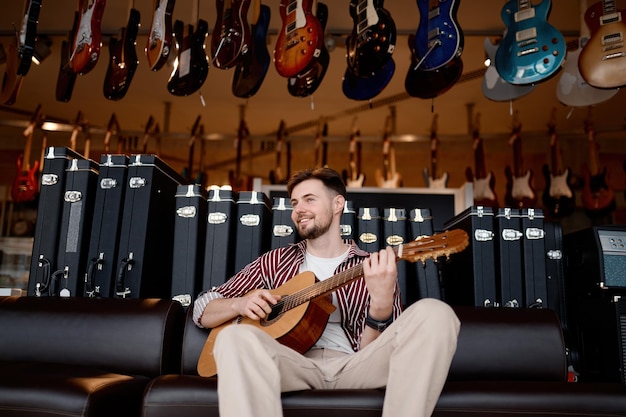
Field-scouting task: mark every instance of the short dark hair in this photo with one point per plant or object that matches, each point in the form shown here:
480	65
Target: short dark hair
329	177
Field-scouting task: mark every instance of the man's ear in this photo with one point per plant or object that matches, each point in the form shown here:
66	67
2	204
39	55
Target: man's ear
340	202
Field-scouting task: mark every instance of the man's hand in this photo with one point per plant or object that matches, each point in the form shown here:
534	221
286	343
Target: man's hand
380	273
256	305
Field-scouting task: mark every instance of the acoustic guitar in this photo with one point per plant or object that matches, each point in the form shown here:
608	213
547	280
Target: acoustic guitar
372	41
299	318
160	37
252	68
192	64
123	60
387	177
87	41
300	38
572	89
483	182
432	178
26	186
557	197
231	35
532	50
519	188
602	61
597	196
353	176
439	38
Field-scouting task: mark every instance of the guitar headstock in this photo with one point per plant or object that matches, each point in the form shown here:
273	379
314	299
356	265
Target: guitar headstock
433	247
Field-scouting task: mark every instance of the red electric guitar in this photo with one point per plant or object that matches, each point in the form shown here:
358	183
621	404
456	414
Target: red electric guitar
231	36
300	39
87	42
123	60
25	186
160	37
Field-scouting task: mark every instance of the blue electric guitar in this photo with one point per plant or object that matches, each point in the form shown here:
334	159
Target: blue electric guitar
373	38
438	39
493	86
532	49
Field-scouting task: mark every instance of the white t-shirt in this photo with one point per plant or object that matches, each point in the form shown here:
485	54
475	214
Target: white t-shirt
333	336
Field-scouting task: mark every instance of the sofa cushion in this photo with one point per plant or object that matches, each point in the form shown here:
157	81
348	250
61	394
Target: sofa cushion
30	389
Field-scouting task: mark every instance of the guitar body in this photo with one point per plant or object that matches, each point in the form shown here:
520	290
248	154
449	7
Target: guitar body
160	38
300	39
493	86
558	198
356	182
427	84
602	61
438	39
88	37
28	36
25	186
123	61
193	64
519	190
11	82
435	183
299	328
252	67
597	196
373	38
305	84
573	90
365	88
532	50
231	36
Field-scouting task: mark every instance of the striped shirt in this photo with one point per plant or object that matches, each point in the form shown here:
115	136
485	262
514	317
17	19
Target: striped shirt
274	268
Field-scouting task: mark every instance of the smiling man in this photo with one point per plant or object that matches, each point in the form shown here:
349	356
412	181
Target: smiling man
367	342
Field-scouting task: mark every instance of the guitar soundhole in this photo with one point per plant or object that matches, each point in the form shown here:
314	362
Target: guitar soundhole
276	312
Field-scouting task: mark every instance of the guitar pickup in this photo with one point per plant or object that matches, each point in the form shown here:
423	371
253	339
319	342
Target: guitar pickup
612	56
612	38
528	51
610	18
525	14
526	34
434	13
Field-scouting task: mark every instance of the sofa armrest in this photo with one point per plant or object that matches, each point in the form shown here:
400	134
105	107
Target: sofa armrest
509	344
128	336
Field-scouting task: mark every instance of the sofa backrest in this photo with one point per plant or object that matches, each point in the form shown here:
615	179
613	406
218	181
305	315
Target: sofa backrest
509	344
494	344
130	336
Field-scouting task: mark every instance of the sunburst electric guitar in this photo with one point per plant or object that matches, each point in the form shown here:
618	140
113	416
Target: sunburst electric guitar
161	36
299	318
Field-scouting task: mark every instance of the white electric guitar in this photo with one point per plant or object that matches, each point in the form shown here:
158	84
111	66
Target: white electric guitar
388	177
354	178
431	179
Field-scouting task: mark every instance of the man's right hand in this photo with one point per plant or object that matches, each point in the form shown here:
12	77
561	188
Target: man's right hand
256	304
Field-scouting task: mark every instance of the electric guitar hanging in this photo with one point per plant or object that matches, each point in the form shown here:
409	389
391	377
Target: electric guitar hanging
192	64
240	182
532	50
252	68
87	41
372	41
113	129
160	37
276	175
602	61
388	177
483	182
28	36
25	186
597	196
558	197
231	36
353	176
438	39
300	38
123	60
519	188
300	317
495	87
432	179
66	77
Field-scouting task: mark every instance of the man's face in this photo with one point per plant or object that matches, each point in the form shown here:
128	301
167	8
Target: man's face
313	206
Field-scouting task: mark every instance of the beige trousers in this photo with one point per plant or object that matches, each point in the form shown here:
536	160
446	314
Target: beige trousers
411	359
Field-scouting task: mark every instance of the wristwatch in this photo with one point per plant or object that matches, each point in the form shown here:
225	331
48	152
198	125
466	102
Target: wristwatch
376	324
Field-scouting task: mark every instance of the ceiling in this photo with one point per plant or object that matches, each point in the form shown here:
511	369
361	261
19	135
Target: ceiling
220	108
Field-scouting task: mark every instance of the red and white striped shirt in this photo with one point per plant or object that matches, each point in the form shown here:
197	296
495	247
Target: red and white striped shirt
274	268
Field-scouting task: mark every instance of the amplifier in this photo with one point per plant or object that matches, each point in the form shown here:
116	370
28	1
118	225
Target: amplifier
596	258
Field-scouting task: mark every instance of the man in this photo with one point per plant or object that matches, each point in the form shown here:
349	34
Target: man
367	342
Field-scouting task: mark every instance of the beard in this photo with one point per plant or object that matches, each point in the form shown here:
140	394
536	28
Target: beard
313	231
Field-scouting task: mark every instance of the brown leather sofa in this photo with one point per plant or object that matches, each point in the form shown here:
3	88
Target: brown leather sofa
115	357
